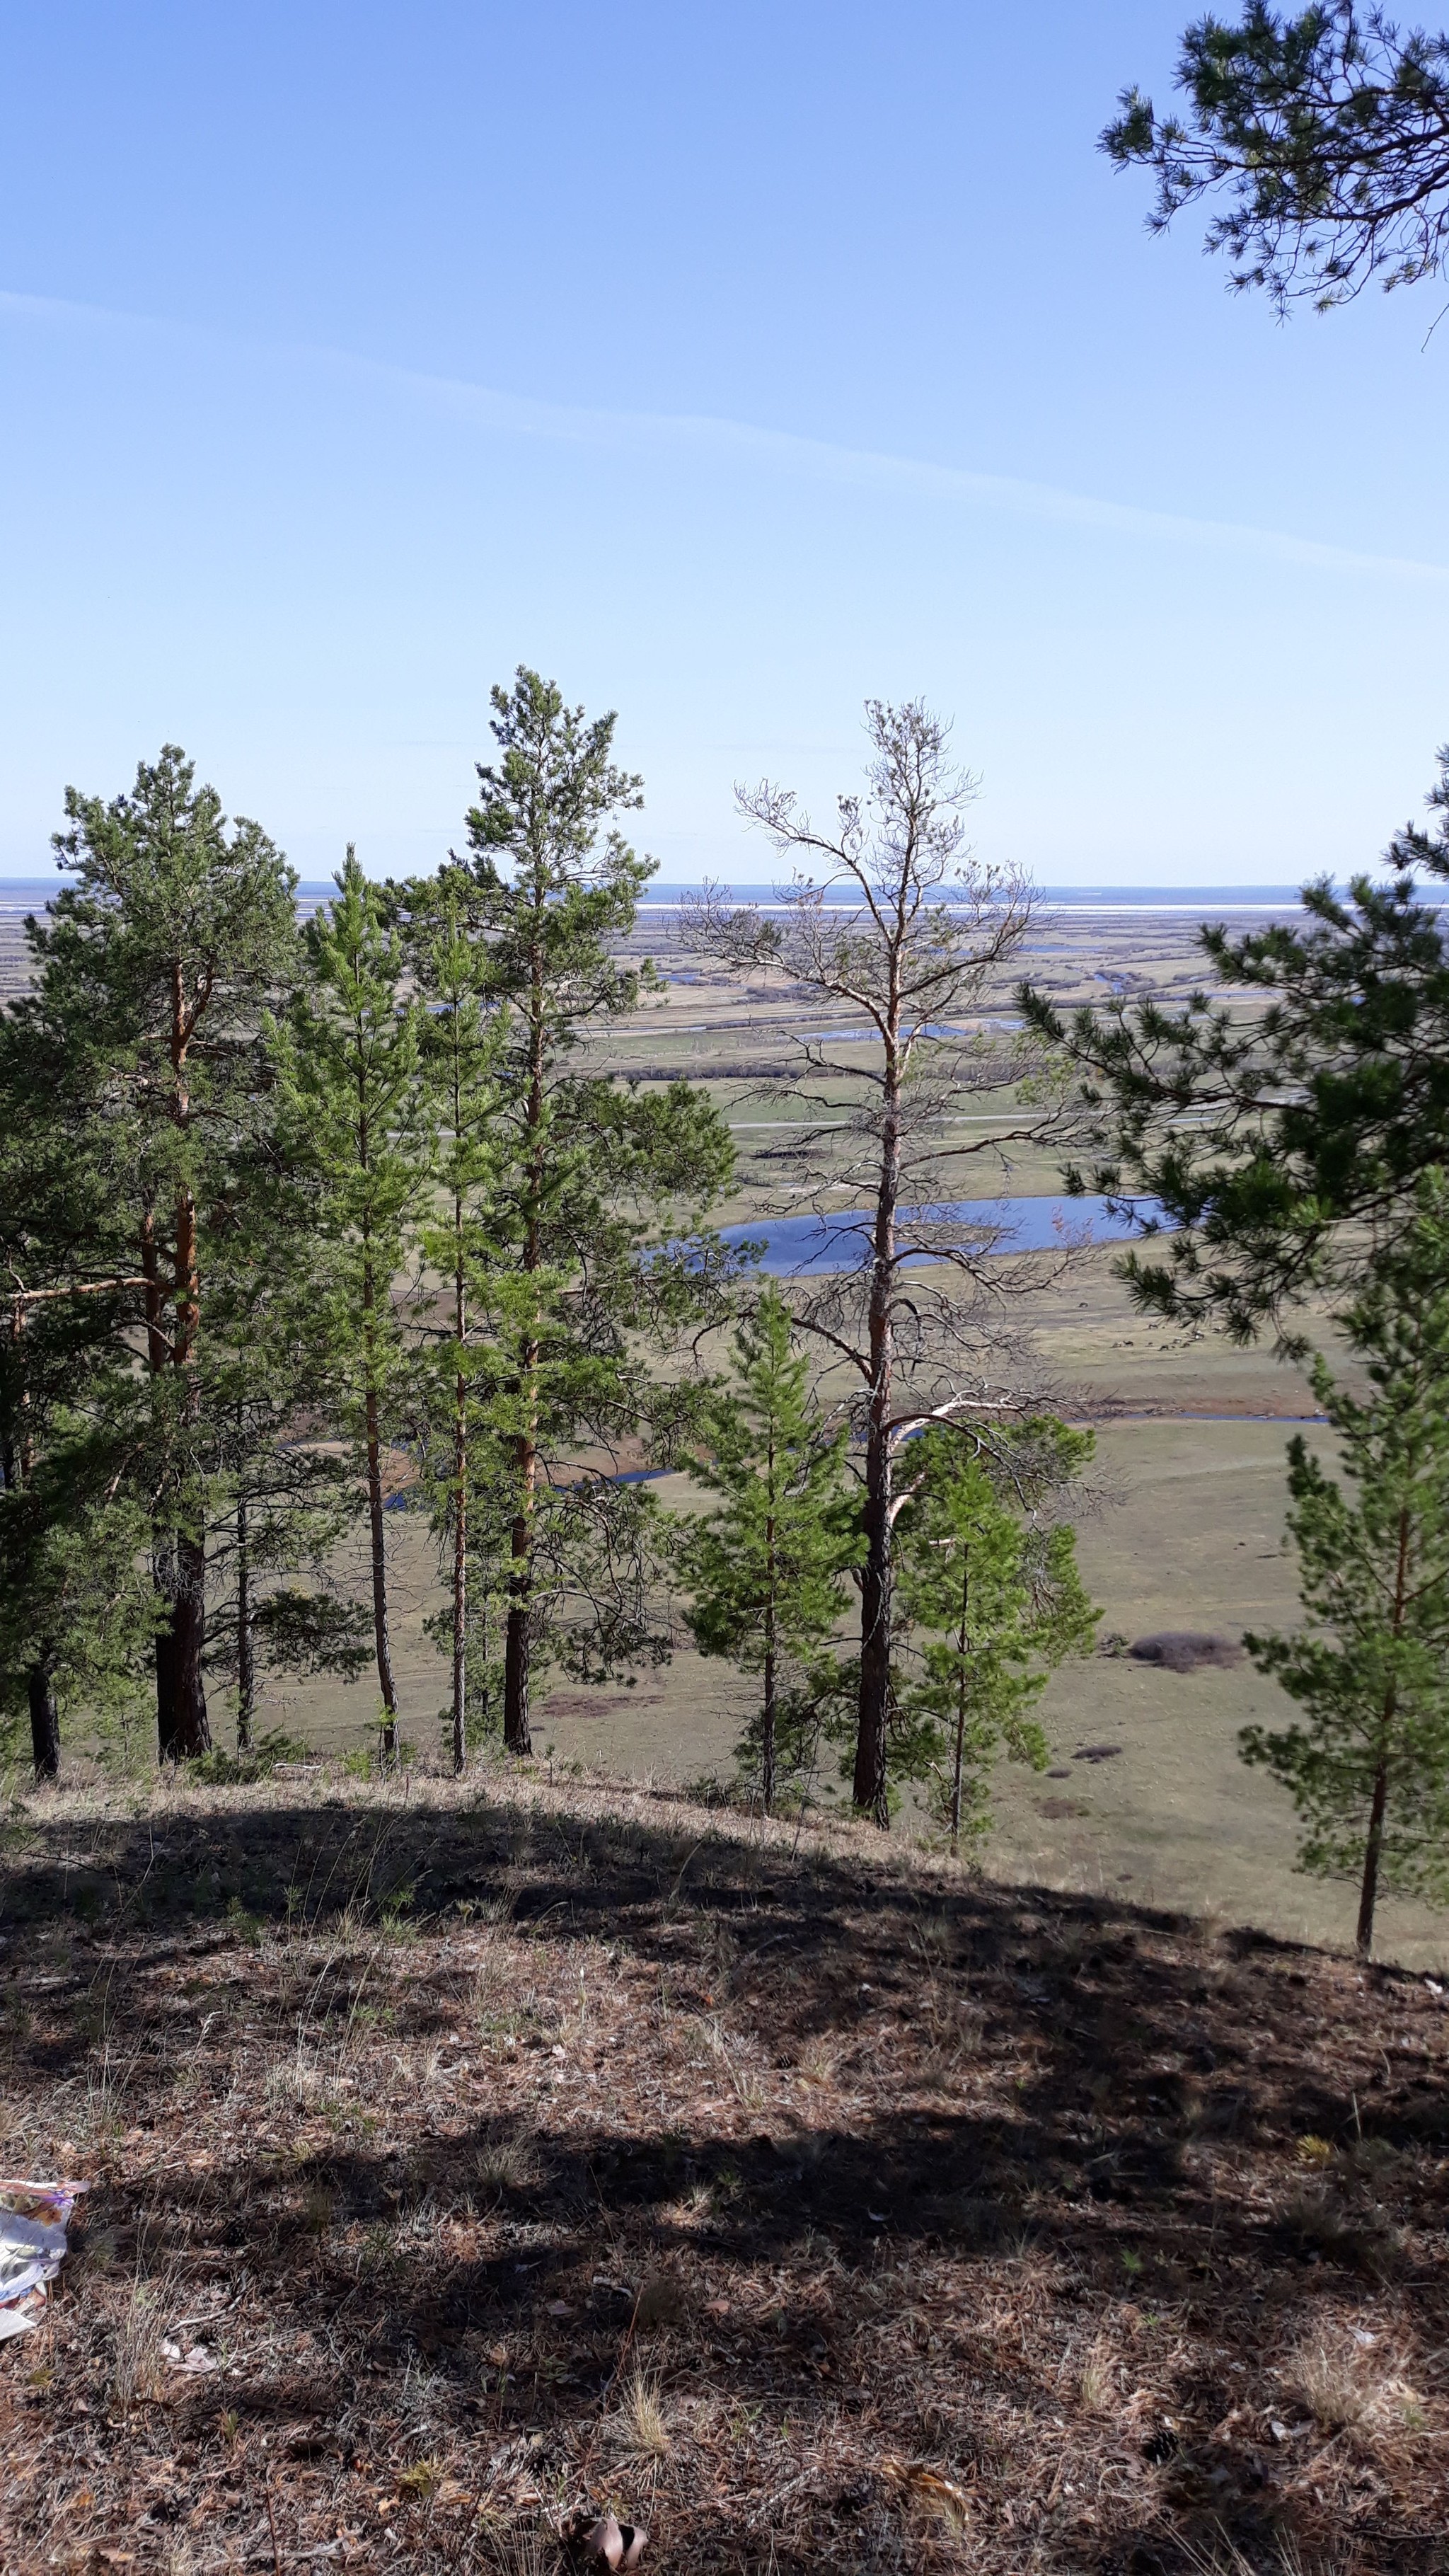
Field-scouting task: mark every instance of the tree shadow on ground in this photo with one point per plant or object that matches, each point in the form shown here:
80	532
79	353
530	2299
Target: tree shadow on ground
1042	2193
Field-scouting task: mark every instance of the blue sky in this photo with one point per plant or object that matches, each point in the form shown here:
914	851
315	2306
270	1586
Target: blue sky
728	366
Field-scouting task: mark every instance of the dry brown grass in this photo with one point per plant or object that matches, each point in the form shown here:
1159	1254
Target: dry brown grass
506	2161
1331	2383
520	2546
138	2371
1224	2558
980	2236
1097	2380
644	2431
1350	2388
819	2061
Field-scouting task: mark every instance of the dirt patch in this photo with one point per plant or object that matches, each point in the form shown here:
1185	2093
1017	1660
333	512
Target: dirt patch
1182	1650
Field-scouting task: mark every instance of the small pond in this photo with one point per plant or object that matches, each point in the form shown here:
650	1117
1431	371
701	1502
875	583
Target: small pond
801	1247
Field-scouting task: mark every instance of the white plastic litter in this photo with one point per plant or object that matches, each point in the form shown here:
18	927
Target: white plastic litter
32	2249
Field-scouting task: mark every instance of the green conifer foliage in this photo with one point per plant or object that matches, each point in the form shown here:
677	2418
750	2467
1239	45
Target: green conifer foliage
1368	1768
1321	133
463	1038
767	1567
591	1175
357	1121
990	1587
63	1311
78	1611
281	1498
153	973
1279	1140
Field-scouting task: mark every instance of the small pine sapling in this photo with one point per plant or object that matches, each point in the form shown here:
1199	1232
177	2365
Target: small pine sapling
994	1602
767	1568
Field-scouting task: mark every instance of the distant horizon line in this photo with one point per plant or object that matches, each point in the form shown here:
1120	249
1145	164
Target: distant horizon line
666	890
666	896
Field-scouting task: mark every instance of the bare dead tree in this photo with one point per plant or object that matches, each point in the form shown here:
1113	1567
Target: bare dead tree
890	915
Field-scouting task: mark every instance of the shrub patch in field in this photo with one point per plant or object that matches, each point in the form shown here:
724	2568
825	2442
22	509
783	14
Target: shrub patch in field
1181	1650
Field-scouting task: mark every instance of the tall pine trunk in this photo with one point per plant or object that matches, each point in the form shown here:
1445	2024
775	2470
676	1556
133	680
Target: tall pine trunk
956	1773
869	1786
460	1525
517	1735
485	1687
193	1733
16	1469
767	1712
44	1717
460	1586
183	1727
1374	1843
374	1444
9	1464
460	1456
163	1549
378	1536
960	1761
246	1662
9	1478
767	1720
1373	1851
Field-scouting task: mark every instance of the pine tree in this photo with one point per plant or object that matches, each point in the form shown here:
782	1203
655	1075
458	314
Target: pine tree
1278	1138
348	1072
1368	1770
767	1567
62	1349
479	1588
463	1040
890	915
280	1497
590	1176
1321	133
990	1587
152	975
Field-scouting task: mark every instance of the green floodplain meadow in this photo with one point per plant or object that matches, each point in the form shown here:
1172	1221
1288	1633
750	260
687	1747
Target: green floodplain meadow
1146	1796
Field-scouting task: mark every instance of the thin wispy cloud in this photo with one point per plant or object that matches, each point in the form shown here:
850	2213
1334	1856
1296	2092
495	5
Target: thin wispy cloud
784	451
